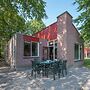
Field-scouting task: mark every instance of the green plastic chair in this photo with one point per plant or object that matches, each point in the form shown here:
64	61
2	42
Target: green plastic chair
35	68
65	66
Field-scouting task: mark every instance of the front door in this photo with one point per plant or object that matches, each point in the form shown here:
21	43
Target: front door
52	50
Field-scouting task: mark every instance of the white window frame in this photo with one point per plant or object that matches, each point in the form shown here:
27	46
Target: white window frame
37	48
31	49
79	58
53	47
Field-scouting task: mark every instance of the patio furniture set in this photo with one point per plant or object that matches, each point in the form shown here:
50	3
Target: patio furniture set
49	67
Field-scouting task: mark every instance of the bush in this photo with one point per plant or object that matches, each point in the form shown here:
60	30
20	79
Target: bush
87	63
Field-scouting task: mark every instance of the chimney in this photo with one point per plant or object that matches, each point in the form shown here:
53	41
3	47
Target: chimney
62	27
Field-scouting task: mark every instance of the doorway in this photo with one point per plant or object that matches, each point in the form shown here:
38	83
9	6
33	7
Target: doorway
45	53
51	53
52	50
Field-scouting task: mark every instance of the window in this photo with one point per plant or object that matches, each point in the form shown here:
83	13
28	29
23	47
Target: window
26	49
77	51
31	49
34	49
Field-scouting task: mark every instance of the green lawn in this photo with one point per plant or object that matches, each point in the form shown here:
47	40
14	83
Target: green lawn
87	62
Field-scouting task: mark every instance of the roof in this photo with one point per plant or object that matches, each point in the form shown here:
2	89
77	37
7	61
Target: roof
64	13
48	33
30	38
87	48
45	28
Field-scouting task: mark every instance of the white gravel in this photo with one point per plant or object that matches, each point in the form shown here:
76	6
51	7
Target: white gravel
76	79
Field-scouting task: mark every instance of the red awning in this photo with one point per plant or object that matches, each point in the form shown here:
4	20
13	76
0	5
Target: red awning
30	38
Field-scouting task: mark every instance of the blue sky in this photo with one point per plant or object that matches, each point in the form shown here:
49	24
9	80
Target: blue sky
57	7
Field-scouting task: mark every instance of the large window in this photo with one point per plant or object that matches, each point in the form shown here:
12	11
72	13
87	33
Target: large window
31	49
77	51
34	49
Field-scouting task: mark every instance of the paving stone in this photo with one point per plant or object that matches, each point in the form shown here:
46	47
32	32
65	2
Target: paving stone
76	79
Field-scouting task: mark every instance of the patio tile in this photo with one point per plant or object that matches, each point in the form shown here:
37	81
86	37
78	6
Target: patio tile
19	80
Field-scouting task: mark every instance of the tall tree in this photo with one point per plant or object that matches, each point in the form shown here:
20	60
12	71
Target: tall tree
34	26
83	20
13	15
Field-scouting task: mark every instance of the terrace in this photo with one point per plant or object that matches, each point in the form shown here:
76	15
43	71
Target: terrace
22	80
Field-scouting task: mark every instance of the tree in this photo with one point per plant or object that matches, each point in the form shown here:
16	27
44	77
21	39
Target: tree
13	15
34	26
83	20
25	8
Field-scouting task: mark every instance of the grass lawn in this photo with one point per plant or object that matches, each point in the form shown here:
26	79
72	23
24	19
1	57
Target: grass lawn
87	62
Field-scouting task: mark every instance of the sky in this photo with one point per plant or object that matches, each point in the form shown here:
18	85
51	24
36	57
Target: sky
56	7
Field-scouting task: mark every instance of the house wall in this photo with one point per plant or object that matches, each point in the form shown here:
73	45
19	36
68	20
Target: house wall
11	52
63	30
73	37
24	61
43	43
67	37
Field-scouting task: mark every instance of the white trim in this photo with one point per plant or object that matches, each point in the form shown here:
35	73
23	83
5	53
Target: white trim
31	49
26	42
79	51
77	59
52	40
54	50
53	47
37	49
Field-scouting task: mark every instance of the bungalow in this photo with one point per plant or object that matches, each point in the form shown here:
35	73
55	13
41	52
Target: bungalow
60	40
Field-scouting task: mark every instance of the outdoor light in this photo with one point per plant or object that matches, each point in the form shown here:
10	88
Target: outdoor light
40	42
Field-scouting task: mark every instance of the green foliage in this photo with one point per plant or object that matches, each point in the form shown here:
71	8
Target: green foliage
83	19
26	8
87	63
10	23
13	15
34	26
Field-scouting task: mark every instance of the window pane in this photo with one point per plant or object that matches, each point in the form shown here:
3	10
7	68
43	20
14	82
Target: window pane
80	51
55	53
76	49
34	49
55	49
26	49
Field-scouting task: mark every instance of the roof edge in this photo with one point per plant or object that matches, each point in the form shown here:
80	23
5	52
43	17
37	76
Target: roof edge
44	28
64	13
